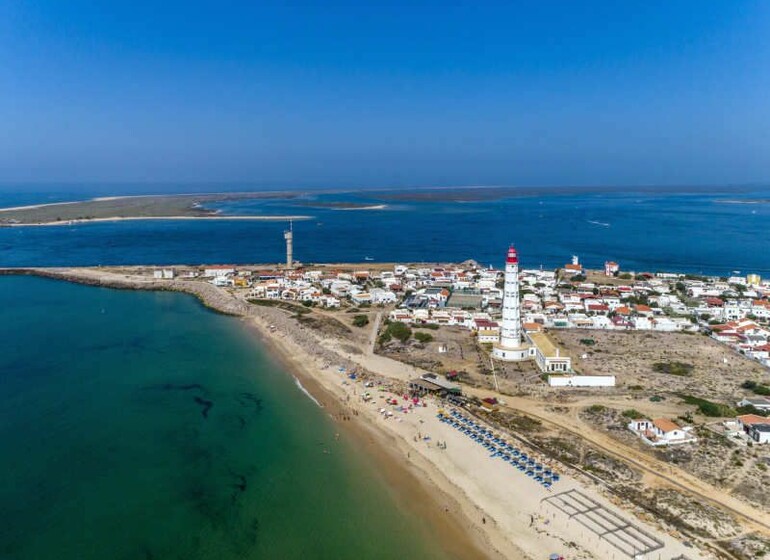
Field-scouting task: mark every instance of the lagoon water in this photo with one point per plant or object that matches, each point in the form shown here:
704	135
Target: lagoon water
714	231
141	426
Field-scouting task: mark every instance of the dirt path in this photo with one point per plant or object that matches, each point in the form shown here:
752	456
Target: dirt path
656	472
373	335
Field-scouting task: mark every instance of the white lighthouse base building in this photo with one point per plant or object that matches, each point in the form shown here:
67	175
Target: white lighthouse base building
513	354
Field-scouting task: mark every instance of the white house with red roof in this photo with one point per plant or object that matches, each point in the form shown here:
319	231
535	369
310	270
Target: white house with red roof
661	431
487	332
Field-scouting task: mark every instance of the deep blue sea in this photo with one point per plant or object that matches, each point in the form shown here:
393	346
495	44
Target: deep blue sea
715	231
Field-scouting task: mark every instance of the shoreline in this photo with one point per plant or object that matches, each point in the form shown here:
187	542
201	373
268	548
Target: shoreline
407	482
498	511
299	217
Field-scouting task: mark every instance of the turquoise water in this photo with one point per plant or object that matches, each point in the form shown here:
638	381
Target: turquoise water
141	426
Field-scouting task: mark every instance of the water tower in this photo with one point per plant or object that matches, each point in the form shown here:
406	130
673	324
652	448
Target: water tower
288	235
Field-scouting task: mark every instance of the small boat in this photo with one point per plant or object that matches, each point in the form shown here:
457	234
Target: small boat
368	258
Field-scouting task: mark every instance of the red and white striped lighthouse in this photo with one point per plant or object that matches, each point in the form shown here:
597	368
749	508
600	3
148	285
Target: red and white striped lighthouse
510	333
510	347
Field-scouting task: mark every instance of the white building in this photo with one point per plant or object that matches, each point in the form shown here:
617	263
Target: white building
661	432
581	380
218	271
380	296
760	433
760	403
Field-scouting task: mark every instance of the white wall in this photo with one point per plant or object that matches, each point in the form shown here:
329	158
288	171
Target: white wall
581	380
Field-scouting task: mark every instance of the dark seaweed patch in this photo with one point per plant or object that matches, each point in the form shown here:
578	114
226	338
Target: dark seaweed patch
250	400
240	485
205	406
175	387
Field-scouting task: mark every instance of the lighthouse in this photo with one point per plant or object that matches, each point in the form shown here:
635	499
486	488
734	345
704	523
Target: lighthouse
510	347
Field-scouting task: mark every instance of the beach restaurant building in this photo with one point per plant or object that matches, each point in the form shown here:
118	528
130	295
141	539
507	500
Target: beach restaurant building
432	384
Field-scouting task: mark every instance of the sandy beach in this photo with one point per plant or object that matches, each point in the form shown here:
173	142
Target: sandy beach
503	513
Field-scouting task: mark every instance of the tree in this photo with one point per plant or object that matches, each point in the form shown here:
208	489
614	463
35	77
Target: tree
399	331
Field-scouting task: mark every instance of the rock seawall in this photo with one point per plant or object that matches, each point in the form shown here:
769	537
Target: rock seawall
211	296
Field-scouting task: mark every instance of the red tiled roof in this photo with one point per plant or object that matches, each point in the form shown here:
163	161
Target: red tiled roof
750	419
665	425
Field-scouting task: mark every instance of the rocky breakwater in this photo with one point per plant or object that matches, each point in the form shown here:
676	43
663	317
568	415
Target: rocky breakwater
269	321
215	298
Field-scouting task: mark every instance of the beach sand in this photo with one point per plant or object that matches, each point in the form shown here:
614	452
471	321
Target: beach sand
500	507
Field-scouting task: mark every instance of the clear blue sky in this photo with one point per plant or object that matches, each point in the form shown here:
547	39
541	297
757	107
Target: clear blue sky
385	94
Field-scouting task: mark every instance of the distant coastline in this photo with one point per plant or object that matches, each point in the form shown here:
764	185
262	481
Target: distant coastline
343	205
140	207
281	218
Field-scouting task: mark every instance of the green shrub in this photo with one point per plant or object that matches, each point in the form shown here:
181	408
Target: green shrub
708	408
360	321
423	337
632	414
597	408
673	368
587	341
399	331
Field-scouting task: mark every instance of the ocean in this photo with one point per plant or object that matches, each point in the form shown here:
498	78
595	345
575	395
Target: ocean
713	231
139	425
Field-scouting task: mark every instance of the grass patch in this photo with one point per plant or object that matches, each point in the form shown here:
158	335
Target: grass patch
280	304
673	368
709	408
396	330
325	325
423	337
756	388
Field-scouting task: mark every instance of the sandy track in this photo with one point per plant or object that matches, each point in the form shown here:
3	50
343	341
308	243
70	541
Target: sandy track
656	471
